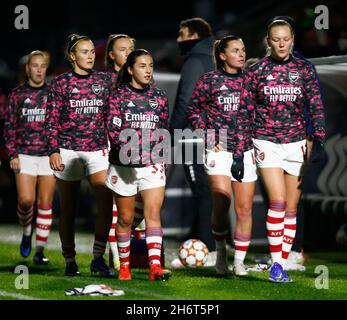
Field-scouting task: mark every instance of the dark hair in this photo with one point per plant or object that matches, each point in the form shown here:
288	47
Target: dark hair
220	46
198	25
109	63
124	75
279	22
71	43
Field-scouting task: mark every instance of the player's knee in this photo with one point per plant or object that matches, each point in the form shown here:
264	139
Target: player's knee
25	203
125	220
44	204
152	213
244	211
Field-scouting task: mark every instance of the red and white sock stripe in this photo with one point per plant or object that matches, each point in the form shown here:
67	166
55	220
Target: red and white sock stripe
123	242
154	239
289	233
112	234
43	225
242	241
25	218
274	227
139	216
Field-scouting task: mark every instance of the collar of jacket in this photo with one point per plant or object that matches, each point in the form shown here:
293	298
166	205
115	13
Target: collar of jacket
200	46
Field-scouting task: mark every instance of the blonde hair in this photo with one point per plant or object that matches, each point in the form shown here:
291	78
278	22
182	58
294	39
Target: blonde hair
35	53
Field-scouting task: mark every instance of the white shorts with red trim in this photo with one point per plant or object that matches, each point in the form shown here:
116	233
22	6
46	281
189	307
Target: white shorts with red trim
127	181
80	164
35	165
219	163
287	156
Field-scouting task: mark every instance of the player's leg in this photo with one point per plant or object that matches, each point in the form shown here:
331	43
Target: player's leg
45	192
221	195
293	193
69	195
243	203
112	240
26	194
104	203
125	206
152	201
274	182
139	215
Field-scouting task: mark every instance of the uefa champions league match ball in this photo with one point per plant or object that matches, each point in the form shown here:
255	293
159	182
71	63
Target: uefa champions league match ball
193	253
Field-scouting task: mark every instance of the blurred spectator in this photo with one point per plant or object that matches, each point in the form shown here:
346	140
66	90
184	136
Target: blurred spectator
195	42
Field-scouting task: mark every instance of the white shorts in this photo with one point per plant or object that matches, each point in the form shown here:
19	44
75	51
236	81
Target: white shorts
35	165
79	164
127	181
287	156
219	163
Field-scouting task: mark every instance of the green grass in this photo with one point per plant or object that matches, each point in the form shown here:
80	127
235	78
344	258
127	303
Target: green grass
49	282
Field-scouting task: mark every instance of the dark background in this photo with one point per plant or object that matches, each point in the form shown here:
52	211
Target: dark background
154	24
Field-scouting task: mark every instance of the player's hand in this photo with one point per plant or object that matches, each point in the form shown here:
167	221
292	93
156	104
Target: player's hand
317	151
55	162
218	148
15	165
238	168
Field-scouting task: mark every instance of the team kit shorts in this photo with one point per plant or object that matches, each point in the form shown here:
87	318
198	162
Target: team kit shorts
35	165
288	156
219	163
80	164
128	181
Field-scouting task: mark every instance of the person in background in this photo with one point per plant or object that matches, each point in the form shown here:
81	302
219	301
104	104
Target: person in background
118	48
26	144
195	42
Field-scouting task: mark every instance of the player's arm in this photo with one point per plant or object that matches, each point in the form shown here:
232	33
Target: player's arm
10	132
54	104
198	104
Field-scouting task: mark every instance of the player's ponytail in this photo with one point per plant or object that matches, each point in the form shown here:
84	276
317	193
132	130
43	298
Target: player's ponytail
124	75
219	47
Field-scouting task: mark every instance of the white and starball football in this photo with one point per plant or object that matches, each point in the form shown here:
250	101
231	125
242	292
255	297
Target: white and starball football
193	253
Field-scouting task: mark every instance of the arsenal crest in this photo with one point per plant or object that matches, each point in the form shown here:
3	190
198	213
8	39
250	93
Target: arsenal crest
114	179
96	88
153	103
261	156
293	76
212	163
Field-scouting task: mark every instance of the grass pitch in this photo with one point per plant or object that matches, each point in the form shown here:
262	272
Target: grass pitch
49	282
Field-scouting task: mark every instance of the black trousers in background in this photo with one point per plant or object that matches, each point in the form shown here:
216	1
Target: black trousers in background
201	227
